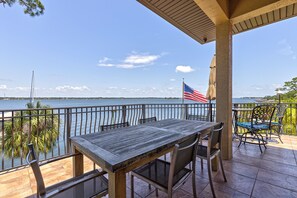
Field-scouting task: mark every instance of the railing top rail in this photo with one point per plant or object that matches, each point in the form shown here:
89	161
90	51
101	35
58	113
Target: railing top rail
77	107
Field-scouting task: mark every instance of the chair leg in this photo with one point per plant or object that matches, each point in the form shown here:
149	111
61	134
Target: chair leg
157	193
169	194
263	140
240	141
245	137
132	186
259	143
210	177
201	164
194	184
279	132
222	167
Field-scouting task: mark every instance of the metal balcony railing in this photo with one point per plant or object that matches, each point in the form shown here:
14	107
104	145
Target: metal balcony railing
50	129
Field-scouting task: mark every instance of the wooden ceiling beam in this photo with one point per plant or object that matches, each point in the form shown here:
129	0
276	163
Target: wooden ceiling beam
216	10
241	10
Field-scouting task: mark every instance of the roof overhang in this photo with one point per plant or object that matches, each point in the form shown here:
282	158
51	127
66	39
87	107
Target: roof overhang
198	18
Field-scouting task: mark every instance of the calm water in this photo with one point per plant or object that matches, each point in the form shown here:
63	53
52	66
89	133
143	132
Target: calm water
21	104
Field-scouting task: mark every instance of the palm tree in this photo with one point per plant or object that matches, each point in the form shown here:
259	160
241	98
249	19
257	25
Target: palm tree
37	125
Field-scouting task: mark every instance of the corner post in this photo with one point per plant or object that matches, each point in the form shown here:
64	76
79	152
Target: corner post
224	84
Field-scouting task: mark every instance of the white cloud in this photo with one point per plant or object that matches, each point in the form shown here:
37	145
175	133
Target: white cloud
22	88
2	87
286	49
72	88
141	59
184	69
130	62
104	60
172	79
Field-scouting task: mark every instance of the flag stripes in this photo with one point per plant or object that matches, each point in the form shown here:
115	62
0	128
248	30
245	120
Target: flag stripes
192	94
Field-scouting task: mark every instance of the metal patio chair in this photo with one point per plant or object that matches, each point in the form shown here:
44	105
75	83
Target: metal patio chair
277	125
114	126
167	176
210	151
147	120
89	184
260	121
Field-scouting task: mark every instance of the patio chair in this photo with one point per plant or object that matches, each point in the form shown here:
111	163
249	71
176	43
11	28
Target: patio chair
114	126
147	120
198	117
260	121
210	151
277	125
89	184
167	176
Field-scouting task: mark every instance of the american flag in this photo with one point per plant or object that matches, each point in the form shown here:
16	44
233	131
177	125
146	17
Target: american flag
192	94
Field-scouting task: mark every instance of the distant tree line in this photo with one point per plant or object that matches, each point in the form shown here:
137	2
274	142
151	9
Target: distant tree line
289	92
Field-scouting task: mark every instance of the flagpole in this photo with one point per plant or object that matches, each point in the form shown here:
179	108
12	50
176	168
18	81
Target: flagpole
183	90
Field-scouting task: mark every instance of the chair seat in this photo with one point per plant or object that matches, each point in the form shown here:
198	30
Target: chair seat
88	184
158	172
202	151
248	125
276	124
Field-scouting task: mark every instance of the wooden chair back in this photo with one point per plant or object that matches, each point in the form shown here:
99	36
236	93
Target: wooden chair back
114	126
147	120
183	154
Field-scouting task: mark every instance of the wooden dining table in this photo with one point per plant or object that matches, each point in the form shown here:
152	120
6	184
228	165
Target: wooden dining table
121	150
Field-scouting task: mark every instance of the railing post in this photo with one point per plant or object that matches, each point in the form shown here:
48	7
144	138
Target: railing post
186	111
68	128
210	113
124	113
143	111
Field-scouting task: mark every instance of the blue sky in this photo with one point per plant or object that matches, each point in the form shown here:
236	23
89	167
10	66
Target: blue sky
112	48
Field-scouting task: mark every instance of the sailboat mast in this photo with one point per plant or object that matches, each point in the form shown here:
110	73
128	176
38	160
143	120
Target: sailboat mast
32	89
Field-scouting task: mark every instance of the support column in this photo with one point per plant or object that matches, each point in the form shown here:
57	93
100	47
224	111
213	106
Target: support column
224	84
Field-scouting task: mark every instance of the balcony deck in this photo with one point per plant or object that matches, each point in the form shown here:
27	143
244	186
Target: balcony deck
249	174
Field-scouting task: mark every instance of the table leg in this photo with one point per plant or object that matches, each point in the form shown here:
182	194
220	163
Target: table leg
77	163
117	184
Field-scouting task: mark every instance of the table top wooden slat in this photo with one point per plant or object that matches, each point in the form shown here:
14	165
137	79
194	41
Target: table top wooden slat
118	148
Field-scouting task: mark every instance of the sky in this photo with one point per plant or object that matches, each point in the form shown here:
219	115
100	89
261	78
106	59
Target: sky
112	48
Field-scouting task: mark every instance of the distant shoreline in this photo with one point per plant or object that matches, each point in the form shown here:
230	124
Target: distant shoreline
107	98
86	98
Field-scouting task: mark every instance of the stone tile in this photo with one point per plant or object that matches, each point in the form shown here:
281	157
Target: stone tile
237	182
203	172
222	192
284	156
179	193
277	179
241	169
279	167
141	188
263	189
128	194
201	183
250	150
239	157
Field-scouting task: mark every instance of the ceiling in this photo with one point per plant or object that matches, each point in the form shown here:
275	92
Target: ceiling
198	18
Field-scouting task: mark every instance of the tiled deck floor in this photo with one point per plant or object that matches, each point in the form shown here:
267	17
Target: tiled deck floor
249	174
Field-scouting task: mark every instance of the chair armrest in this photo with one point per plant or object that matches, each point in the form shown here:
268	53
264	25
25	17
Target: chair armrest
57	158
67	184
